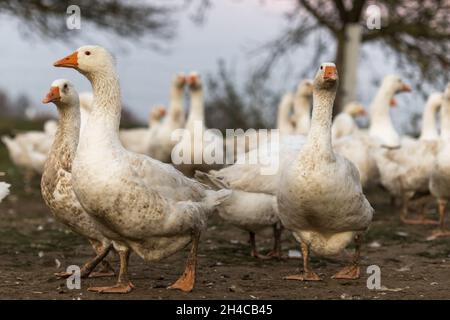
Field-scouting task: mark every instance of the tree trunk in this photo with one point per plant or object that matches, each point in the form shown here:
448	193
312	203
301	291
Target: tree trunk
339	60
347	59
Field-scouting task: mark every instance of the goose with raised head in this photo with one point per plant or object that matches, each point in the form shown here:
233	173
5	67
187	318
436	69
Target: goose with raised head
56	183
302	107
405	172
440	175
141	203
196	141
344	123
321	199
163	142
139	140
429	129
381	128
284	123
318	191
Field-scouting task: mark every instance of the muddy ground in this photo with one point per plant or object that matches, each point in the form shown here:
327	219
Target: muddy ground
31	242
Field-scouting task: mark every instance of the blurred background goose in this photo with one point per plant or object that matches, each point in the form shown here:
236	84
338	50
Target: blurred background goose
139	140
344	123
405	171
163	140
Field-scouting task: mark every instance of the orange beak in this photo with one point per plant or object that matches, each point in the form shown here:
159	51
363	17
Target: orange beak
52	95
330	73
393	103
363	112
406	88
162	112
71	61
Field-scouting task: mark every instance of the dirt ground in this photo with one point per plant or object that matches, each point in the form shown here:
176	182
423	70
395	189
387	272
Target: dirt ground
32	243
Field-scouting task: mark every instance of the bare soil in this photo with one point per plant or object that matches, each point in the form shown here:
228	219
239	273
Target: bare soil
31	242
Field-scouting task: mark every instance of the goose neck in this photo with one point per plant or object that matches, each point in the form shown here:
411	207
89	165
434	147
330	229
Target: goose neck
176	101
379	109
196	112
319	136
429	129
67	134
107	100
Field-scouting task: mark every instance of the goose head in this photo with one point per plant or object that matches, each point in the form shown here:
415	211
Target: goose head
179	81
393	84
355	109
305	89
156	114
326	77
88	60
194	81
62	93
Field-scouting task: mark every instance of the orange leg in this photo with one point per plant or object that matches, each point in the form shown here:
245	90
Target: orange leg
352	271
187	281
442	231
307	274
123	284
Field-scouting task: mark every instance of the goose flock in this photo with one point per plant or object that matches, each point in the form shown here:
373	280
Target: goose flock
124	192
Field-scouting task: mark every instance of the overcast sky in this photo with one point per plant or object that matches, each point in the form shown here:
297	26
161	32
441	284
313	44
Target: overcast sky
231	28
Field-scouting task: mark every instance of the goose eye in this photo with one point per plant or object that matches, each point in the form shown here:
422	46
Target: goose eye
65	86
321	67
88	53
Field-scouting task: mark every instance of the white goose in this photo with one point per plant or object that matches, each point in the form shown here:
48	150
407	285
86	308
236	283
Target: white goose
344	123
56	182
381	128
405	172
163	142
196	140
302	107
321	199
140	202
318	192
440	175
